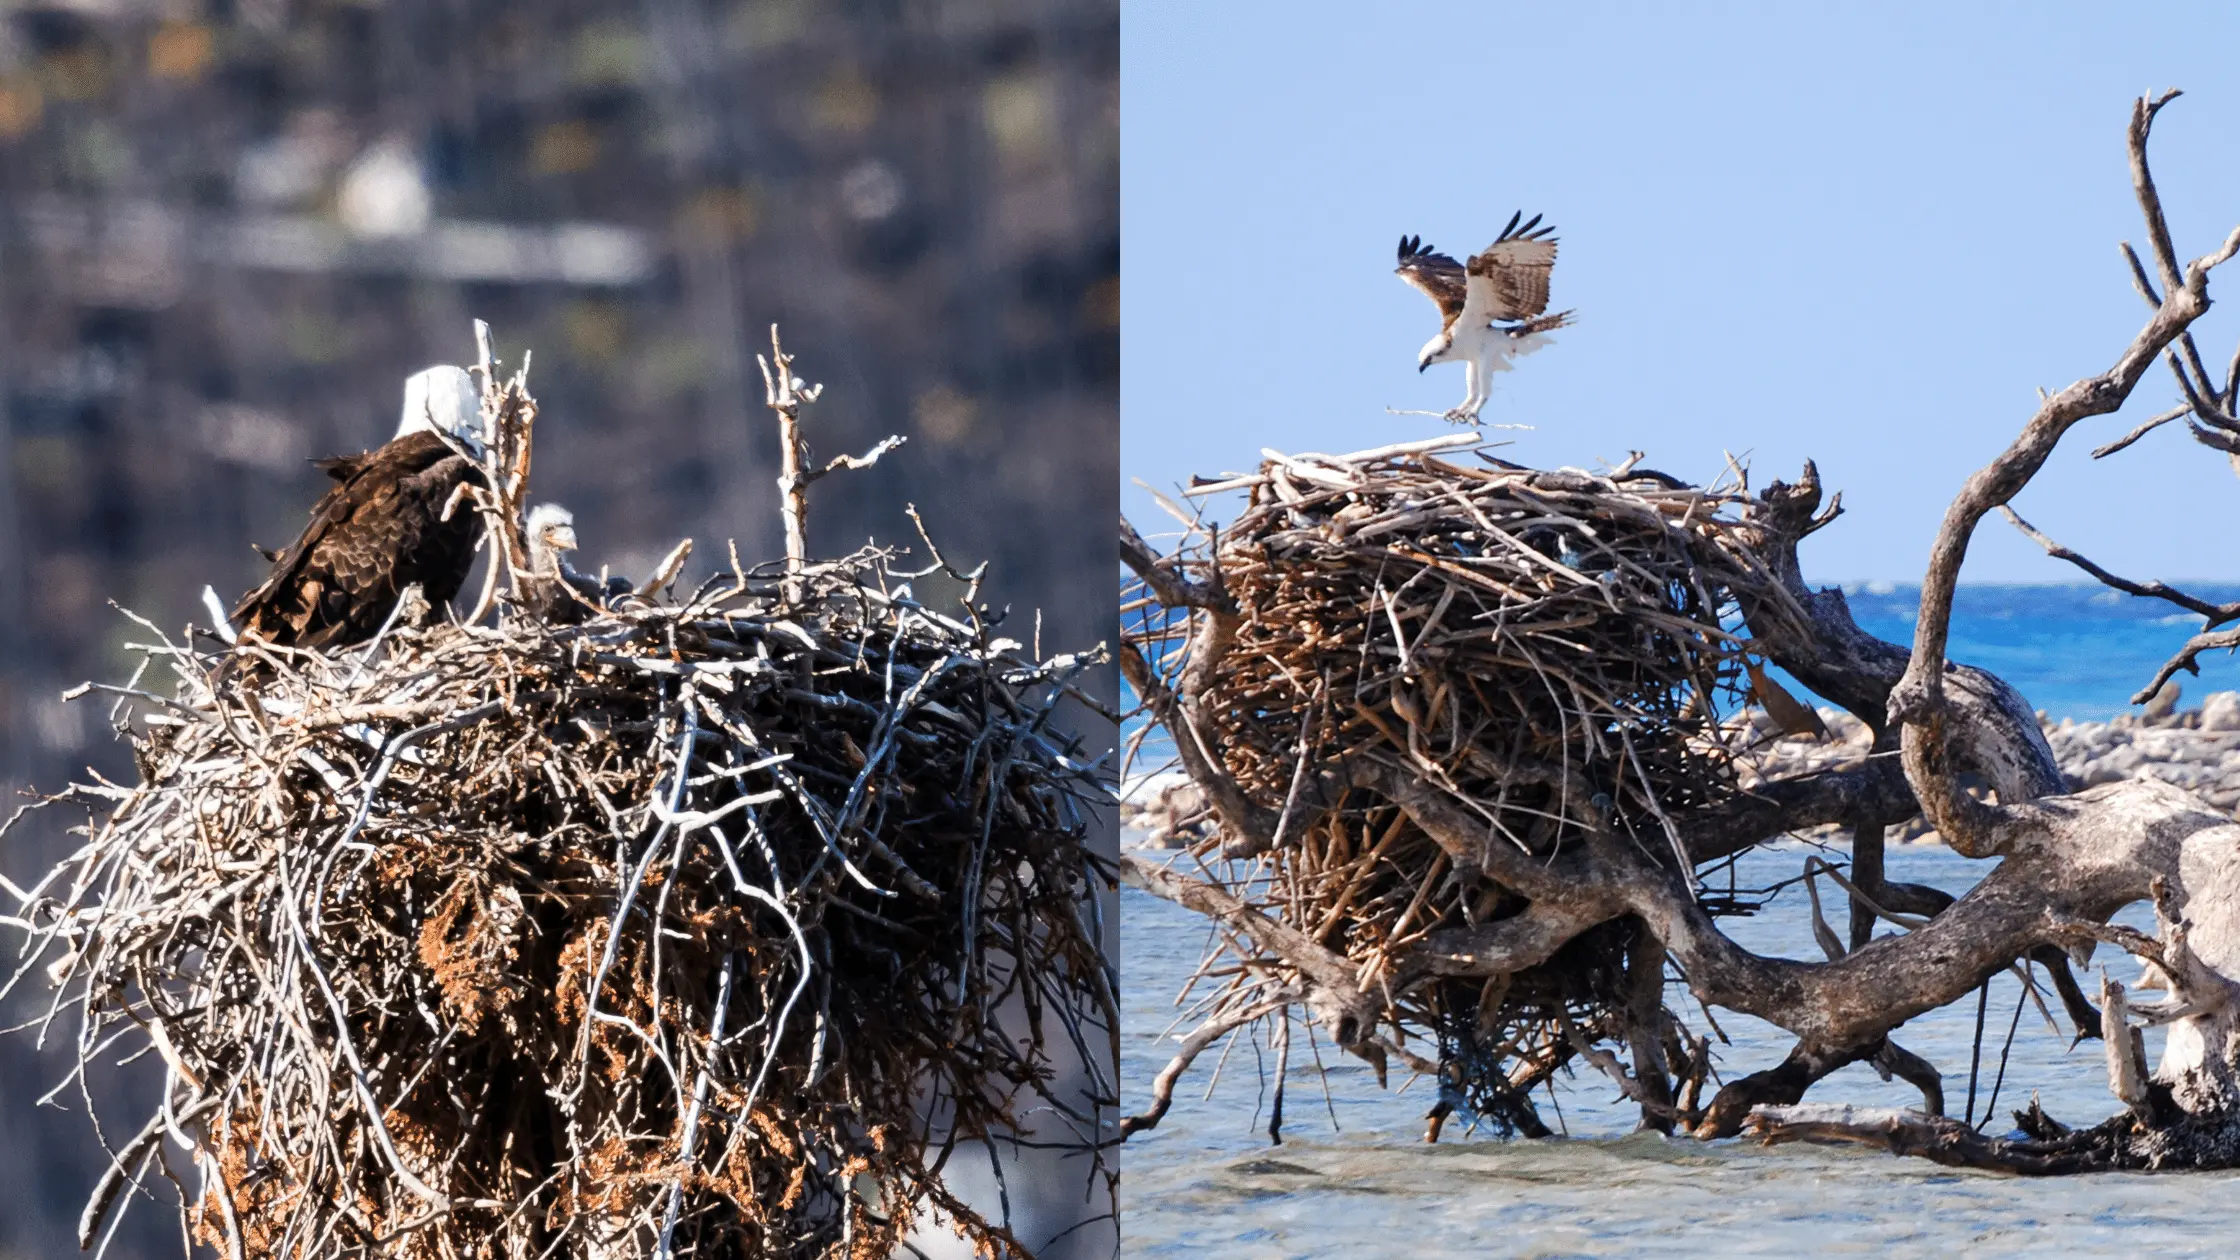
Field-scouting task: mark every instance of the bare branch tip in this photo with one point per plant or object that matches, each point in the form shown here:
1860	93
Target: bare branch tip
2224	253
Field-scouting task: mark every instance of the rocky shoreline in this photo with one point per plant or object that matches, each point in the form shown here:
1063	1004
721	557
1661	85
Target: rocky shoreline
2196	749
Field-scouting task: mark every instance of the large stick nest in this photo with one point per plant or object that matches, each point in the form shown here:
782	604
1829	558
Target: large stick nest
1556	649
703	928
568	933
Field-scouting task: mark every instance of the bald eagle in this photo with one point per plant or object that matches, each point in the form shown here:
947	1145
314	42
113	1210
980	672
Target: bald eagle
380	529
1508	280
556	592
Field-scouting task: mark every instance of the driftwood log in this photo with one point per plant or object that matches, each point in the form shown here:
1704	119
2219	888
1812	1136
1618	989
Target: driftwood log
1466	733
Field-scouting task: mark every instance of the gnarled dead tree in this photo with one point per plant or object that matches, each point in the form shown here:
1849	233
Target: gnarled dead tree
1463	732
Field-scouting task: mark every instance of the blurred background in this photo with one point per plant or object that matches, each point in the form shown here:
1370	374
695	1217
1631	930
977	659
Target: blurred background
230	228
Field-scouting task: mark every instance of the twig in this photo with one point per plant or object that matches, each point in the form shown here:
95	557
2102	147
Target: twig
2110	448
2216	613
786	394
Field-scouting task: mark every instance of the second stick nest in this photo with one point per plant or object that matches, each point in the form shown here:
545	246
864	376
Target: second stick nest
1557	650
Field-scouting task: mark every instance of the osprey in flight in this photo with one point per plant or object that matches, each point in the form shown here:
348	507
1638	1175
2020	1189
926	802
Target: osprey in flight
382	527
1508	281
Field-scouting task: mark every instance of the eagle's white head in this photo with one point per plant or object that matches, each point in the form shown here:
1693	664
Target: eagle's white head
443	399
551	529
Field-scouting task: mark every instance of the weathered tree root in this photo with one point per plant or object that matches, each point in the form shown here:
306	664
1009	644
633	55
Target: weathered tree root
2172	1141
1940	1139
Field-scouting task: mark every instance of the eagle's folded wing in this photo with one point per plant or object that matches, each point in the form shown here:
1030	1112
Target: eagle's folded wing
376	531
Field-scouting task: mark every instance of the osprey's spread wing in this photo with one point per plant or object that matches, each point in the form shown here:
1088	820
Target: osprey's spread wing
1439	276
376	532
1509	279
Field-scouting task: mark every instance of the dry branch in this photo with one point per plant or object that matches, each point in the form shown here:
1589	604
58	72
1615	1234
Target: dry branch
1919	701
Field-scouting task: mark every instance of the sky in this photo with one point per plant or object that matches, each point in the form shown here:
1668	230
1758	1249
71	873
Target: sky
1860	234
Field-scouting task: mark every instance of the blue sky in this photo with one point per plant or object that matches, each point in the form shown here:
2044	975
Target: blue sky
1862	235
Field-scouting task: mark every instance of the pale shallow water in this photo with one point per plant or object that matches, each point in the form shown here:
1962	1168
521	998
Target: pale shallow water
1207	1181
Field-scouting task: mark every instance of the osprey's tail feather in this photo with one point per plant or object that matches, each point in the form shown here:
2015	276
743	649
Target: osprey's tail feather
1543	323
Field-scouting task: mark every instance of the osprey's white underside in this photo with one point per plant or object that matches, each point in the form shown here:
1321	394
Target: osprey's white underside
1482	350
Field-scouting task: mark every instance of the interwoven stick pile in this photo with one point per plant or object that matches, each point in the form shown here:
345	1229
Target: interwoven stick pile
708	927
1555	649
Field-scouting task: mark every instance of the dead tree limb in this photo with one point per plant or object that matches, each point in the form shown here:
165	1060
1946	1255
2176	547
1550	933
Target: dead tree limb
1919	699
786	394
2217	614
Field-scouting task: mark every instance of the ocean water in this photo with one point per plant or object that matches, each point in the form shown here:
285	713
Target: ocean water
1354	1178
2074	651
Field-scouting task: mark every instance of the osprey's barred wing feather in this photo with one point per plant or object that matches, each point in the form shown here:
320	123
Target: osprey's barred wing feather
1509	278
1439	276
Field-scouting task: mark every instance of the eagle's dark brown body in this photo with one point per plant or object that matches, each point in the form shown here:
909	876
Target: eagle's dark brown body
375	533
